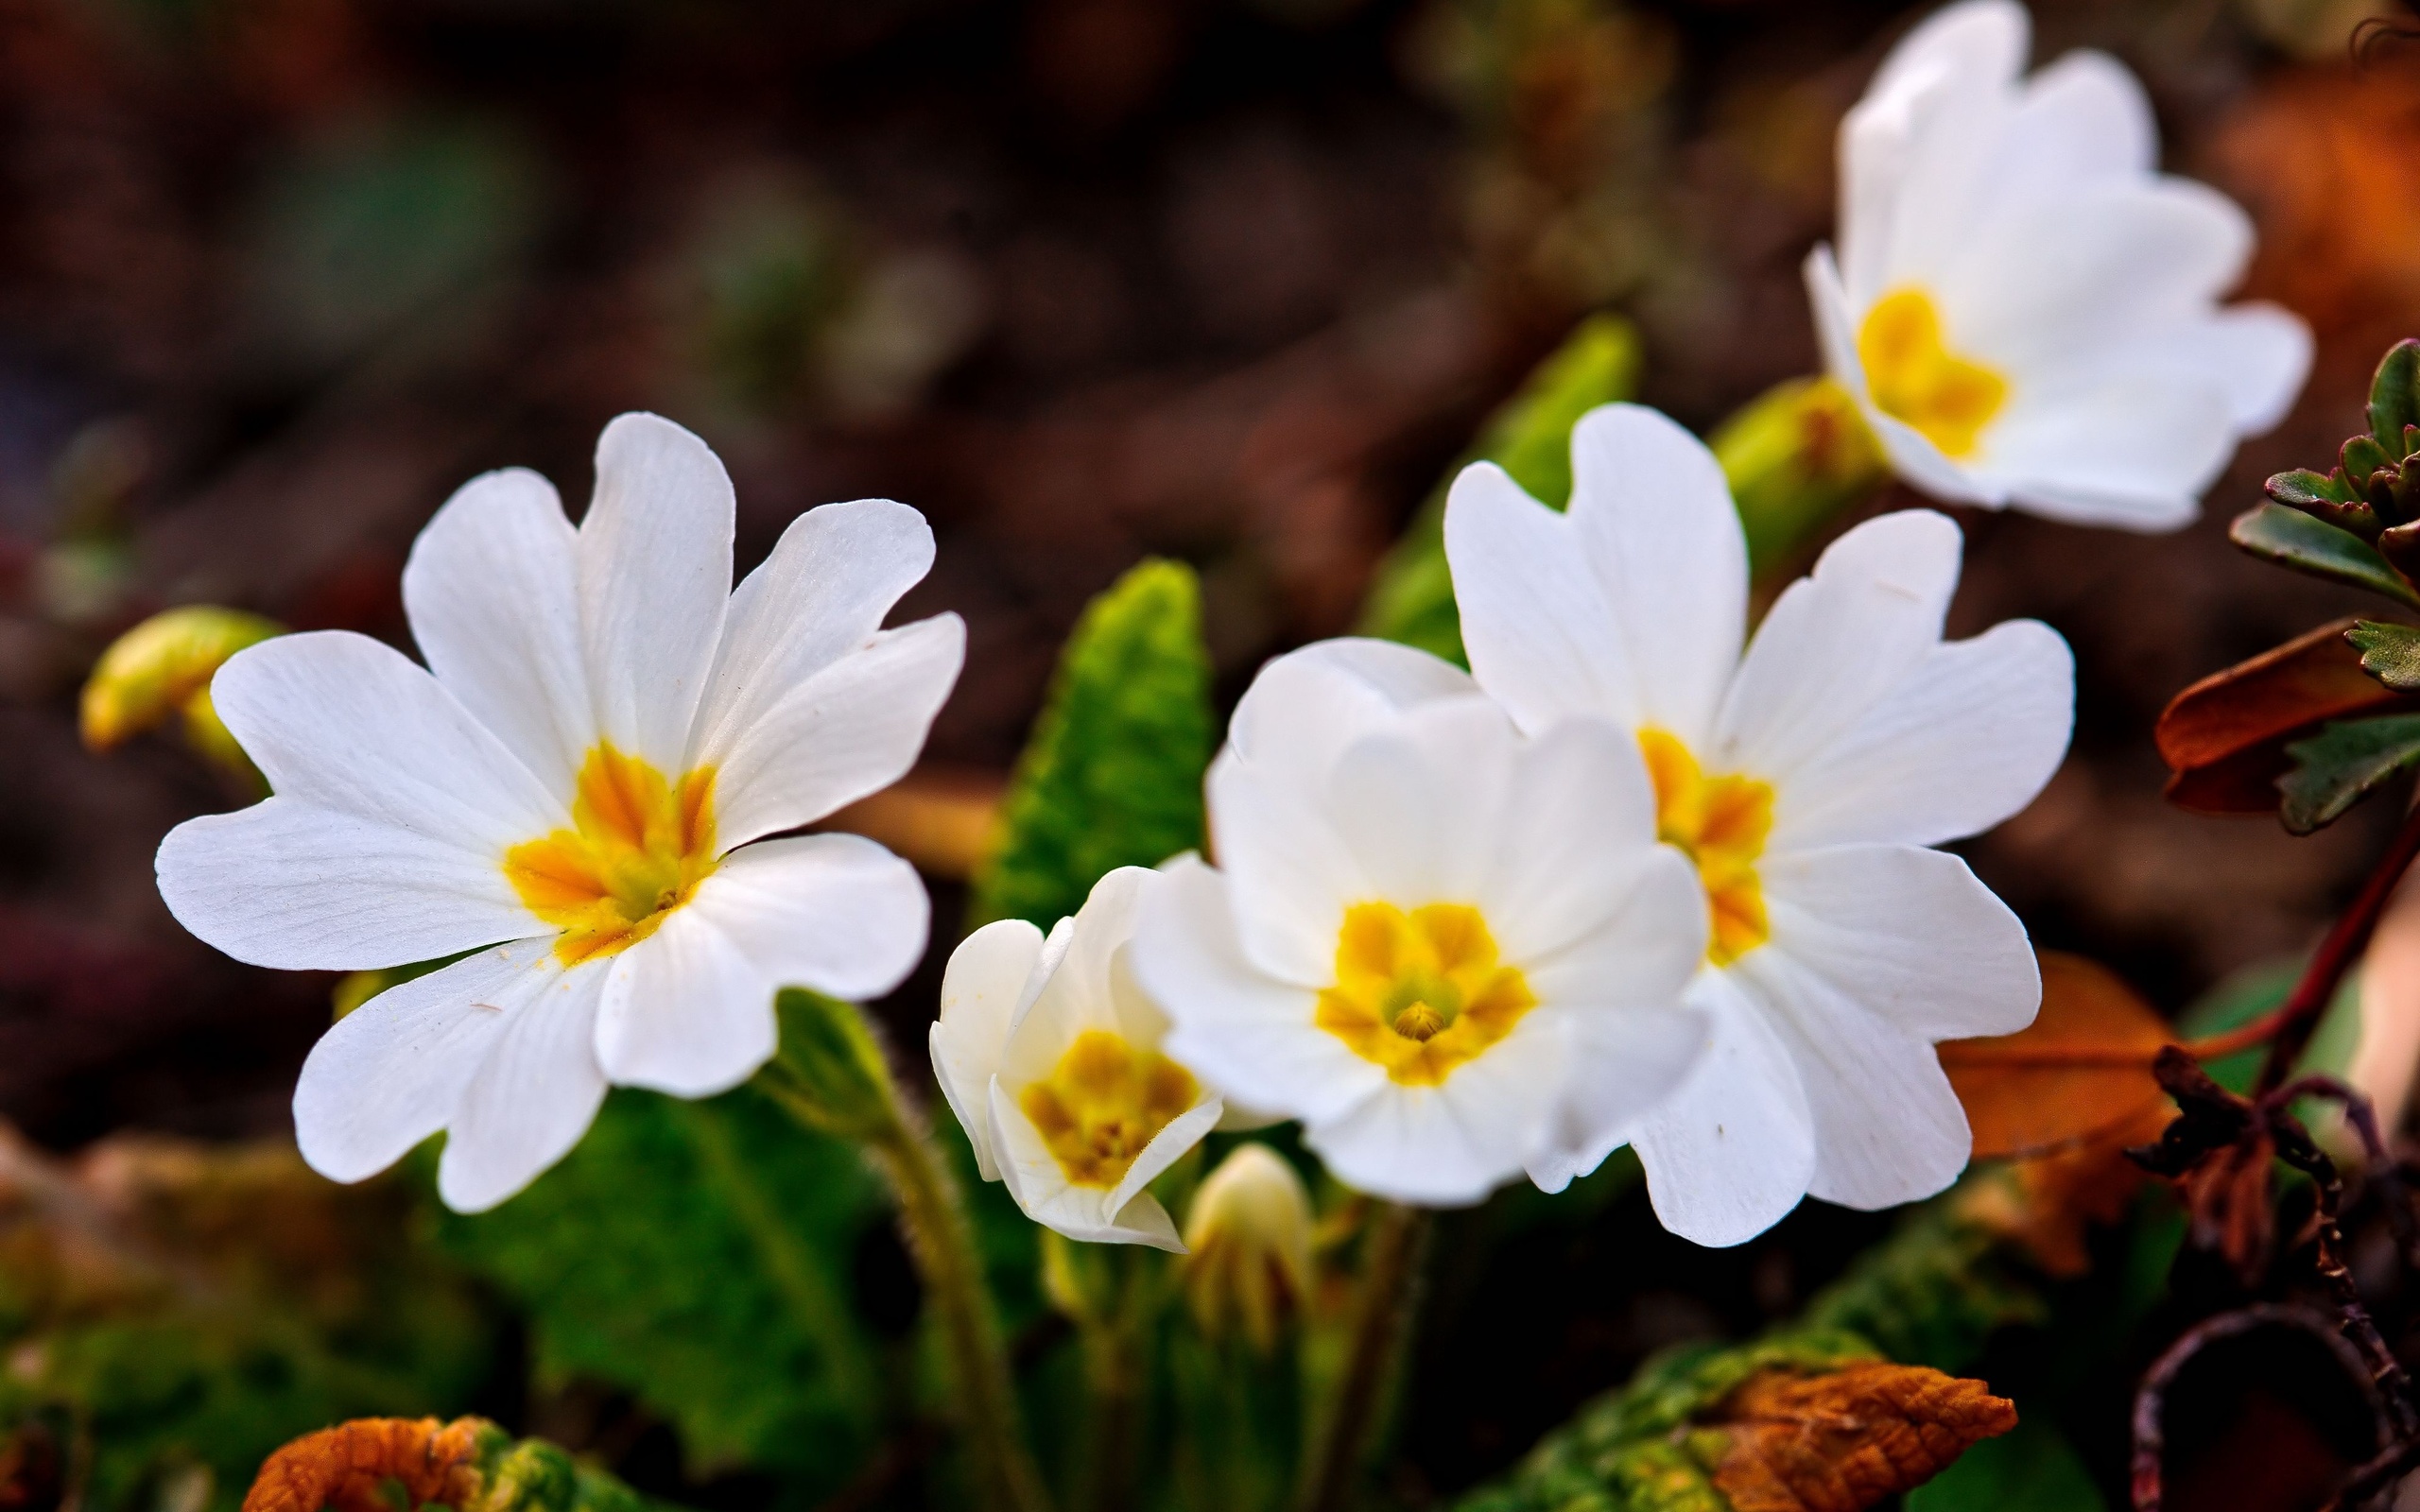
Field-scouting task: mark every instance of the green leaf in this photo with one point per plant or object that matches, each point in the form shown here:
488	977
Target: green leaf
2326	497
2344	762
2389	653
2395	395
2293	539
1112	776
1530	437
699	1255
2031	1468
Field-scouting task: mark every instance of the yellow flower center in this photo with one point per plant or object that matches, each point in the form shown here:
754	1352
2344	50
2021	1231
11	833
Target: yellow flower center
1422	992
1722	823
638	847
1915	377
1102	1103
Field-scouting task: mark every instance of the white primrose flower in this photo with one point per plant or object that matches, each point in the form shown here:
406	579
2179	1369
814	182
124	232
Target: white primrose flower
1805	779
1449	949
2024	307
1051	1057
569	789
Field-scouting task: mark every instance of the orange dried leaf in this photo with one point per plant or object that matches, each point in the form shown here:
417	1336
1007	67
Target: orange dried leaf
2083	1067
2047	1203
1843	1441
347	1468
2224	737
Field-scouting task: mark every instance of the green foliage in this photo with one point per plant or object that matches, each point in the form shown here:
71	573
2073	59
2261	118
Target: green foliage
1530	437
1796	455
1932	1292
2344	762
175	1315
1112	774
2290	538
698	1254
2030	1470
2389	653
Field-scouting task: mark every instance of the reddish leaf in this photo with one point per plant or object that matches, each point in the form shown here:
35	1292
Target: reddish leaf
2082	1068
2224	737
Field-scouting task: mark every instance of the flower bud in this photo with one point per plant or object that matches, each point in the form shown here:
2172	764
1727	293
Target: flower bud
1796	455
161	669
1250	1234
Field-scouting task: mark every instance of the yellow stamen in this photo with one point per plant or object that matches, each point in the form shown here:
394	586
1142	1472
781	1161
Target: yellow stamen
1915	377
1103	1102
1723	822
1419	994
638	847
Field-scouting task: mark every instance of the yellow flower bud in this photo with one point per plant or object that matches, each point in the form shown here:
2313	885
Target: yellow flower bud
161	670
1250	1234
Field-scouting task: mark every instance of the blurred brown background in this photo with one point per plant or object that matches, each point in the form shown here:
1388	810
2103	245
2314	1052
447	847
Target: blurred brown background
1231	280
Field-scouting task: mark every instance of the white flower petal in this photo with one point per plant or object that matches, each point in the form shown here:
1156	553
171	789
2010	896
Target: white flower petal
2076	452
980	990
1912	456
1965	741
2259	352
1451	1144
391	1073
1419	807
1304	707
655	583
1982	41
1909	934
1940	136
492	592
1577	828
1624	1063
1836	642
686	1011
1640	950
1291	875
837	914
1887	1128
290	884
853	729
822	595
2064	274
2082	117
1734	1150
1542	636
532	1098
1248	1034
1085	1213
1079	993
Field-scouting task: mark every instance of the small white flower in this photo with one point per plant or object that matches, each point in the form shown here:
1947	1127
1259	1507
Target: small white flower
1051	1059
2024	307
1805	778
569	788
1449	950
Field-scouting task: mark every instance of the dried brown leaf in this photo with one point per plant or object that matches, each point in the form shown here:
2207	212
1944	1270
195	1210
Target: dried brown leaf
2224	737
2046	1204
1842	1441
347	1468
2080	1069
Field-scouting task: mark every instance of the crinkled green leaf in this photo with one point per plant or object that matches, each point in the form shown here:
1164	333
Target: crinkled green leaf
1112	776
1530	437
2389	653
2291	538
2031	1468
2344	762
699	1256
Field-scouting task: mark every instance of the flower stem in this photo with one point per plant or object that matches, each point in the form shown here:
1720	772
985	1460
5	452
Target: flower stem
1381	1329
2295	1020
844	1085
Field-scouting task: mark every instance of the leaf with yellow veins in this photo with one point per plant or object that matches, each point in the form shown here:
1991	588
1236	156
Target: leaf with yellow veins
1845	1439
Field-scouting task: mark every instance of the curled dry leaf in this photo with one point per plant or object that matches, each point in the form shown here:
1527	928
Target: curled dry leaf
2224	738
2080	1071
1844	1440
348	1467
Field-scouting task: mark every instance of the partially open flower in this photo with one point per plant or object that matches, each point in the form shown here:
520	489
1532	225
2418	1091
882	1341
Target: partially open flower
1805	777
2027	310
569	789
1447	948
1249	1231
1052	1060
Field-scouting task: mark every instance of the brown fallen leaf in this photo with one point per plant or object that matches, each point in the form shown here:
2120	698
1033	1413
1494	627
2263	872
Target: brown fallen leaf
2224	738
1842	1441
347	1468
2046	1205
2080	1069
